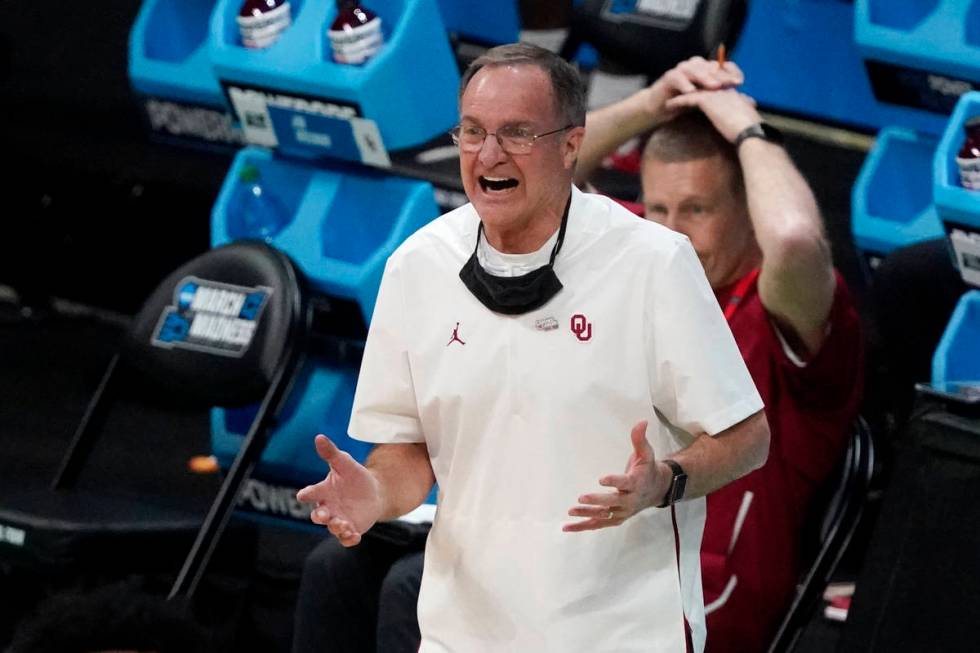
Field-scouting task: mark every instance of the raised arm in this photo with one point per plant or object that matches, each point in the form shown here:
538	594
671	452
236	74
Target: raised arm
796	283
611	126
353	497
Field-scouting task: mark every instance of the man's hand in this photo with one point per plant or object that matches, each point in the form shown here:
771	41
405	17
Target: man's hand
348	501
691	76
642	485
727	109
611	126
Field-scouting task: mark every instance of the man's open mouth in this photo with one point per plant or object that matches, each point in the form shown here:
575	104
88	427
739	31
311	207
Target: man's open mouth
497	183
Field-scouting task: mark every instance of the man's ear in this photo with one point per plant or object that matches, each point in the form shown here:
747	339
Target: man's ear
573	143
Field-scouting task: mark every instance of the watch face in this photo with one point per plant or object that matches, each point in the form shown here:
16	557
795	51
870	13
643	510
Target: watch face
678	481
677	491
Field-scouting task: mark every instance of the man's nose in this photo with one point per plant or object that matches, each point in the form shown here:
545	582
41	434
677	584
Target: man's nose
674	221
490	152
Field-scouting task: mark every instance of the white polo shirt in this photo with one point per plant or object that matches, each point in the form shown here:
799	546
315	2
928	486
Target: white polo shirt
522	414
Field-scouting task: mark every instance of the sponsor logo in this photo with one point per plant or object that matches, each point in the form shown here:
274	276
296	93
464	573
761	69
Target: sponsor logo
211	317
320	107
654	12
947	86
187	121
279	500
581	327
304	135
455	337
546	324
965	242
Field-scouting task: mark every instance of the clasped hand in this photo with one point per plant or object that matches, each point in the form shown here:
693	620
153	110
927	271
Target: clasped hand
698	83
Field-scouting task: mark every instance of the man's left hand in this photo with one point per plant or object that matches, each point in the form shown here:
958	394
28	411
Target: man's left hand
642	485
727	109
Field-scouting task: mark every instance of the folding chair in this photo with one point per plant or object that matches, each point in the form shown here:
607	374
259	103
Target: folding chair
843	502
228	328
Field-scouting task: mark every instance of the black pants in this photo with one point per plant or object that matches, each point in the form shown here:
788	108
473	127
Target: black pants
361	599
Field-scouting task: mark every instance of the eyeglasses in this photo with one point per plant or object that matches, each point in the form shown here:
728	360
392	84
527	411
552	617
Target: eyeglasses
512	139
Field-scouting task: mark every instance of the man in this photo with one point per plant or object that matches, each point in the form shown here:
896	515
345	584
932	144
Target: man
514	343
715	172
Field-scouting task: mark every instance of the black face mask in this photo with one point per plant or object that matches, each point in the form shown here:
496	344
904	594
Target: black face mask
514	295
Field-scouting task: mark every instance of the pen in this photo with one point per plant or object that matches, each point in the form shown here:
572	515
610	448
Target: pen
721	54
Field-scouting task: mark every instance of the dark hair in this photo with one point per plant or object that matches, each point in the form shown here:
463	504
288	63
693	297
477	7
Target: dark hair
691	136
566	84
116	617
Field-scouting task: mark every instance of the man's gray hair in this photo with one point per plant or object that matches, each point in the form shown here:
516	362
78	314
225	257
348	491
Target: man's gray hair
567	88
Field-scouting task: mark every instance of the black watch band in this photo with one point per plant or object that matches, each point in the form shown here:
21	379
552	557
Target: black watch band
675	491
762	130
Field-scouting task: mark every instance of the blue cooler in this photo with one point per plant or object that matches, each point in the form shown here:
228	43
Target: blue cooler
957	358
891	201
959	207
292	96
921	54
800	57
342	225
170	70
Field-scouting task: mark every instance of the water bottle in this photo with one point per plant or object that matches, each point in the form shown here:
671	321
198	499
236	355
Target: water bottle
968	158
262	22
257	213
355	34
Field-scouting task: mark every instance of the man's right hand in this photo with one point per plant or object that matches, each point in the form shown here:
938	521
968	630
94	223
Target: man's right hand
348	501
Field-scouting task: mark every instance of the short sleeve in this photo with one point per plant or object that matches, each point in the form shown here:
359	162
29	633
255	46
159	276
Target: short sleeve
698	380
833	377
385	409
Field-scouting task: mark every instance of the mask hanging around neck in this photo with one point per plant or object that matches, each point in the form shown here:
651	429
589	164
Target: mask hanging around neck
520	294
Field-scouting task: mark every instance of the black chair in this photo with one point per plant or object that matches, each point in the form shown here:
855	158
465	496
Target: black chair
646	43
229	328
839	509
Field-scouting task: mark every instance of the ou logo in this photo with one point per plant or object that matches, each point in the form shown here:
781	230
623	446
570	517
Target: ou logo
581	327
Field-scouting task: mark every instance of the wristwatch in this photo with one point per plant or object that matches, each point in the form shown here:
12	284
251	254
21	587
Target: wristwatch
762	130
675	491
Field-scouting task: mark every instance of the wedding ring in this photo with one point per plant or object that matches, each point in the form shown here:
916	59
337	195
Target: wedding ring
610	515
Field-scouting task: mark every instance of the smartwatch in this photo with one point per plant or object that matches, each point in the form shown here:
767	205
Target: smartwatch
675	491
762	130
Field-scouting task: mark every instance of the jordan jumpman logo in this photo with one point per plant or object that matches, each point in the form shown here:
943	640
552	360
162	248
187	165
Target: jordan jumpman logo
455	337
